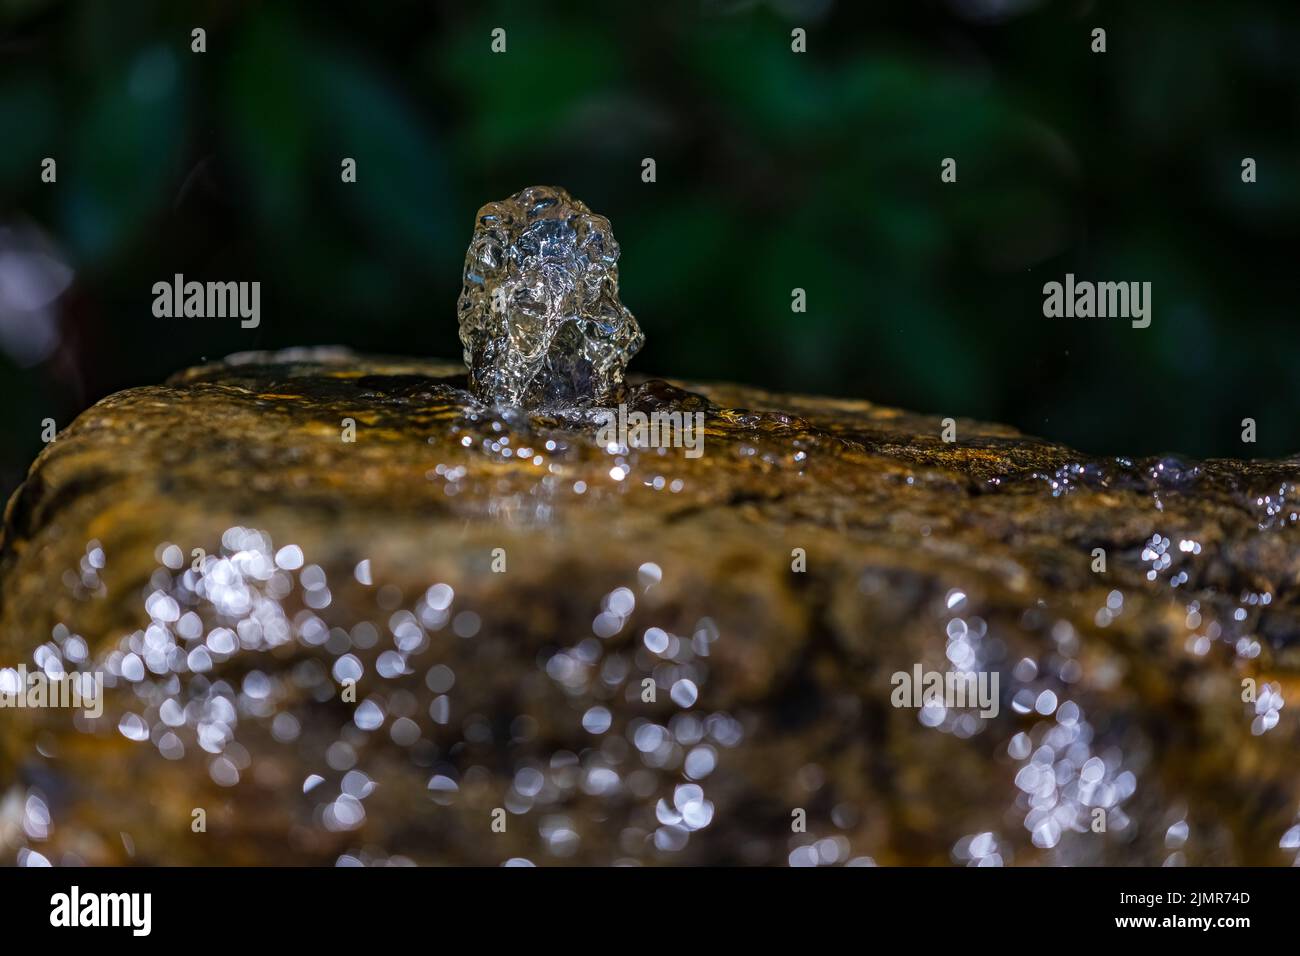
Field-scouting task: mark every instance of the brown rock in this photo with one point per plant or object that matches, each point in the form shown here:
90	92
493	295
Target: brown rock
1120	691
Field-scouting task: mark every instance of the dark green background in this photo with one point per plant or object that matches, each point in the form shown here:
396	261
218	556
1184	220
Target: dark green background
775	170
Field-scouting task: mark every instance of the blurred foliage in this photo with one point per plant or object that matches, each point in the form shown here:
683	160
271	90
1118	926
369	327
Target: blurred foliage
775	170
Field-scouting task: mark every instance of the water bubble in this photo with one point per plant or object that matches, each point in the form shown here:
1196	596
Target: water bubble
684	693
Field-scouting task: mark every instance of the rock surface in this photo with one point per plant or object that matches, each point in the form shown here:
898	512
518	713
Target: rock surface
500	586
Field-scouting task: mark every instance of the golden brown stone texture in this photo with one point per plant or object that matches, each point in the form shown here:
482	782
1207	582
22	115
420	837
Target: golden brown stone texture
522	689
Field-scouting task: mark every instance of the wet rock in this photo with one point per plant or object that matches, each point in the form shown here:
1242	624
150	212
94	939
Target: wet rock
504	591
